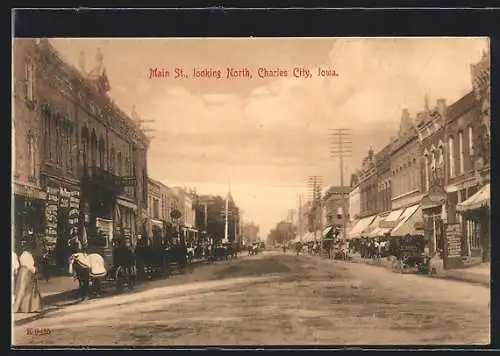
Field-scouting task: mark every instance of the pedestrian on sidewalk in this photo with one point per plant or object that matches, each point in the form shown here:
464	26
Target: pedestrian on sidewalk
27	298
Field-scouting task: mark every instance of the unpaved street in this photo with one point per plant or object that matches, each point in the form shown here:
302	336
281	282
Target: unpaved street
276	300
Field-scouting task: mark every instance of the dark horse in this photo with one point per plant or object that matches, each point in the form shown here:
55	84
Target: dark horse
176	257
89	270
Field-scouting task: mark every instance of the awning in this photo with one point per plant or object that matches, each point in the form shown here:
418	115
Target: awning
370	228
157	223
479	200
394	215
410	216
360	226
379	231
327	230
126	204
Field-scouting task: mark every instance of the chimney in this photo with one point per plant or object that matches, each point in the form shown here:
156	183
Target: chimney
441	107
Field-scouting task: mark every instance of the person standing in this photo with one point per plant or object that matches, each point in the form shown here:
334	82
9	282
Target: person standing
27	296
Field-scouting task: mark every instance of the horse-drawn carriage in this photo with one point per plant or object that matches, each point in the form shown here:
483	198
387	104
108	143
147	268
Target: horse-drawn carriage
409	255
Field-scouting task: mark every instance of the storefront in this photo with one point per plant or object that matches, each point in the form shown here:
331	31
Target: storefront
476	219
360	227
433	207
157	232
28	211
62	218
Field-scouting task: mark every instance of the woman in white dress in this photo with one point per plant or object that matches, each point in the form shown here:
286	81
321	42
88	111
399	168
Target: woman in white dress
27	297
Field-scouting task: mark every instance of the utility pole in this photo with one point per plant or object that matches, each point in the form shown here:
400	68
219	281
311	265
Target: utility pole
341	148
315	187
300	217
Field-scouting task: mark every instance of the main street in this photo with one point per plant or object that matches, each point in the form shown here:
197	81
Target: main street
276	299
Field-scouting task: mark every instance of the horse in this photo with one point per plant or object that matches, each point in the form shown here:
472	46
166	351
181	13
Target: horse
89	270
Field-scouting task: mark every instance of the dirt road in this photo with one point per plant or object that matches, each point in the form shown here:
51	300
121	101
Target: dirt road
276	300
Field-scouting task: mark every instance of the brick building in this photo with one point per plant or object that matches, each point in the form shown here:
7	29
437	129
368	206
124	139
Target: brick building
365	181
384	177
456	147
336	207
27	137
92	156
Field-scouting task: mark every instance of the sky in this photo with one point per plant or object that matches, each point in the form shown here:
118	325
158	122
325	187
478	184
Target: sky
264	136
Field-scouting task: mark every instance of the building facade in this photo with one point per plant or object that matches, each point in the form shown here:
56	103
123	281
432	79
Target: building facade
384	178
456	143
29	198
354	198
405	165
92	156
336	206
368	186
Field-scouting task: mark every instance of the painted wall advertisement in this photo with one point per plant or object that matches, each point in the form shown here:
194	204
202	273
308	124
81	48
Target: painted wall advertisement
453	250
61	215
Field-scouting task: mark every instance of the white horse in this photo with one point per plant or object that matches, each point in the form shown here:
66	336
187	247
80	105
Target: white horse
87	268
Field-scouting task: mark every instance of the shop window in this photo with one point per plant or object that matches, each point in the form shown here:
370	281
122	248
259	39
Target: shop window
460	153
474	234
451	160
29	82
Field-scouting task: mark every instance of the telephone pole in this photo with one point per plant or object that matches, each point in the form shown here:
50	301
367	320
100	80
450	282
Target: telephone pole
315	187
341	148
300	217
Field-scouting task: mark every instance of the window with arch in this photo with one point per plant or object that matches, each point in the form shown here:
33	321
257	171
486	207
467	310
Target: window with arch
93	148
119	164
70	147
112	160
102	150
127	165
31	155
85	147
460	152
46	134
29	81
471	142
58	141
426	171
451	144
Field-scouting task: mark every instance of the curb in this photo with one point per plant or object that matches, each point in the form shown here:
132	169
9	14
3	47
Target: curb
473	278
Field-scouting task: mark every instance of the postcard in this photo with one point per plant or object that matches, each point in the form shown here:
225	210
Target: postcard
251	191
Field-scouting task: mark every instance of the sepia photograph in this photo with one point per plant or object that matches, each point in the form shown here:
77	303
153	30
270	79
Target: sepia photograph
250	191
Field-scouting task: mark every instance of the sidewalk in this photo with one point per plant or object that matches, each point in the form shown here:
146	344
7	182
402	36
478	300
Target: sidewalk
57	289
480	274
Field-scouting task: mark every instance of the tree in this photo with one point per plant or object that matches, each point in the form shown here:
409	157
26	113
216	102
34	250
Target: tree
283	233
251	232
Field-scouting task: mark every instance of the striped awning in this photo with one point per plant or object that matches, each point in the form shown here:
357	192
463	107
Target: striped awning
479	200
406	225
327	230
360	226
